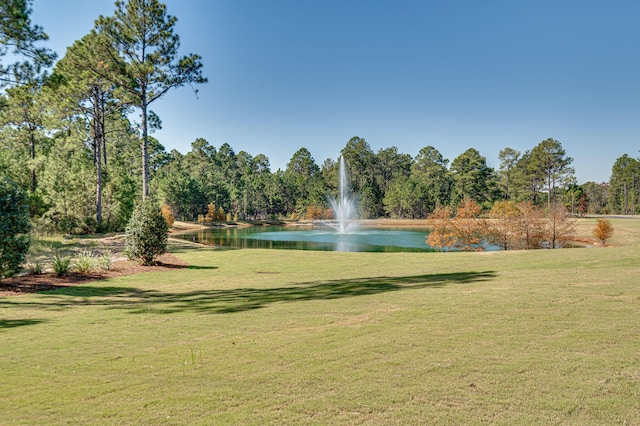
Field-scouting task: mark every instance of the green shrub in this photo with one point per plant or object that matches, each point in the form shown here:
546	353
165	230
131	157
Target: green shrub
61	264
105	261
14	227
146	233
35	268
85	262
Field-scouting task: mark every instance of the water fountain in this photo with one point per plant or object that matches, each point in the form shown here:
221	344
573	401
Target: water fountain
344	233
344	207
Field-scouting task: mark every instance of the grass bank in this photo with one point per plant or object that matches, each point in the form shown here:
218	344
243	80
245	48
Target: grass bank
292	337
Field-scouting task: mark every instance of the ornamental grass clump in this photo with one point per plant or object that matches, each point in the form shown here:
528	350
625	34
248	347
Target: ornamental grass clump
146	233
106	260
61	264
85	262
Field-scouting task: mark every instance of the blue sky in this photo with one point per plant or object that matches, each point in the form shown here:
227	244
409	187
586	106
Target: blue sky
286	74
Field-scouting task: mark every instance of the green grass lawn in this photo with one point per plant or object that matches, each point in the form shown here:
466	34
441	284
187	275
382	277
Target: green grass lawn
293	337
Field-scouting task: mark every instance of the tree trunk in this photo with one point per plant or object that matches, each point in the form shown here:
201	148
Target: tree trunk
97	150
103	107
32	141
145	148
548	190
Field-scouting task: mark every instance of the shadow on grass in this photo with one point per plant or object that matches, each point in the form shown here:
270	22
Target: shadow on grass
241	299
196	267
5	323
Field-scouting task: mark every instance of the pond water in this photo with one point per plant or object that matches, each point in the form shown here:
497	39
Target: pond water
315	238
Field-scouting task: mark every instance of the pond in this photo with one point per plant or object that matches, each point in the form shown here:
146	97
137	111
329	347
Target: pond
316	238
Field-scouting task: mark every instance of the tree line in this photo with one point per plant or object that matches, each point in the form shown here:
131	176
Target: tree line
68	140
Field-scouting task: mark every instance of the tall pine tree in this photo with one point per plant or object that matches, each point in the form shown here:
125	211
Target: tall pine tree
142	33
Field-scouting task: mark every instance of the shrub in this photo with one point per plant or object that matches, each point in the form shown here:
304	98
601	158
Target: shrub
106	260
61	264
603	231
146	233
35	268
85	262
14	227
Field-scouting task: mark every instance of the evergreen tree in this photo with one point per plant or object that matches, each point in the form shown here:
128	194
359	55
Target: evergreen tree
14	227
143	34
508	158
622	194
81	93
18	37
597	197
24	114
302	172
391	165
433	181
472	178
550	162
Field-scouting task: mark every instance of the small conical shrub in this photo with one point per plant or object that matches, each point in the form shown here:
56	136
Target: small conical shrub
146	233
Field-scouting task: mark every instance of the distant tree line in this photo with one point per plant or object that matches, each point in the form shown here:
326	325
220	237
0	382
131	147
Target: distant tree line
388	183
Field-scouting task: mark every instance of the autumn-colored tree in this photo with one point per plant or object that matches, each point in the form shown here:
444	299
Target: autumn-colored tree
167	214
529	225
603	231
503	227
583	205
441	236
468	228
318	212
315	212
558	227
214	214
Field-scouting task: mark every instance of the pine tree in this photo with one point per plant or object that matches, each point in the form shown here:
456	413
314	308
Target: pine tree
143	34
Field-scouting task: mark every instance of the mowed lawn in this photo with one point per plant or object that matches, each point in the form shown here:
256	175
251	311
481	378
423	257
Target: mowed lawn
292	337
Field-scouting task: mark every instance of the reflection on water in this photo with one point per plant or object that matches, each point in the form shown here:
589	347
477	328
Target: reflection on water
308	238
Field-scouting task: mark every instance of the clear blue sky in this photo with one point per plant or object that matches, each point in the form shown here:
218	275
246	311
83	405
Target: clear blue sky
286	74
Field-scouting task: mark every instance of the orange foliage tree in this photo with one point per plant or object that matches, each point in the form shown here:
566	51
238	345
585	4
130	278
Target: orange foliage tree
441	236
504	224
167	214
469	229
529	226
558	227
318	212
603	231
214	214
